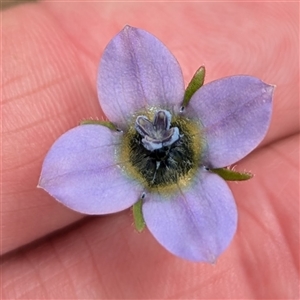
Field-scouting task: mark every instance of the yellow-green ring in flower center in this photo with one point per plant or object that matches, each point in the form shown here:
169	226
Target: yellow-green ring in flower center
168	169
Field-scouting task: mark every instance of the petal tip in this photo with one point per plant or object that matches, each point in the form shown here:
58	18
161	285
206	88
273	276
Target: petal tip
212	260
269	88
208	257
128	27
40	183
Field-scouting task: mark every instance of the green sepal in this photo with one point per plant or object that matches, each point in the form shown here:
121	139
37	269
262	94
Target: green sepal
98	122
139	221
194	85
231	175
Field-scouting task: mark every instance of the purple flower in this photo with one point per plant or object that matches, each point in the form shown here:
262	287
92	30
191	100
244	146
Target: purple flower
158	150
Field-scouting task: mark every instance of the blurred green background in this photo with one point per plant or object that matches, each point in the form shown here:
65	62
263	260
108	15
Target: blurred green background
8	3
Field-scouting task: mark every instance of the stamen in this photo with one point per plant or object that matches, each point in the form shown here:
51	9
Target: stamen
143	125
162	120
157	134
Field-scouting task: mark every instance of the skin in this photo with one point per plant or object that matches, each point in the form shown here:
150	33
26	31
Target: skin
50	57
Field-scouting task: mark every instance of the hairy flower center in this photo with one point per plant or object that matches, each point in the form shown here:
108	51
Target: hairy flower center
160	152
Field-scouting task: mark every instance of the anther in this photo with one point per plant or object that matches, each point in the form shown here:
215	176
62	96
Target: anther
157	134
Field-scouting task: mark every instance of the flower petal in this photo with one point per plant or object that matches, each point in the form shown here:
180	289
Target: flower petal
235	113
136	72
81	172
197	224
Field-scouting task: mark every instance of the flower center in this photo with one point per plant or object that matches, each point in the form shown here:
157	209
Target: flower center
162	152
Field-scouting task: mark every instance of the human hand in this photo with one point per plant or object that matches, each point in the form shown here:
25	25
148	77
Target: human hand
51	53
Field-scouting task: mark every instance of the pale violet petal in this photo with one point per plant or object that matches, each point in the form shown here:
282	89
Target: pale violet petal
136	72
81	171
195	224
235	113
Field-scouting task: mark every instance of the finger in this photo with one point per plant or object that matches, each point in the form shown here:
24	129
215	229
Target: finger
227	38
46	91
105	258
50	70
